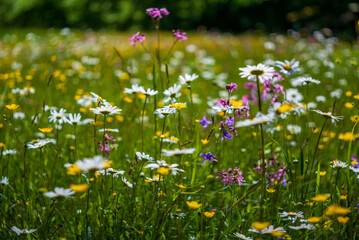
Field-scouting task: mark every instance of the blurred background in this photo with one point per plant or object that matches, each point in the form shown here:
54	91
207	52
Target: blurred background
234	16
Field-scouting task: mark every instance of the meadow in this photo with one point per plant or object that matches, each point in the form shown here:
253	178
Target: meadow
178	136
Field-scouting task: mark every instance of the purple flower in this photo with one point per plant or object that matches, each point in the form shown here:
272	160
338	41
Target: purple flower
179	36
207	156
231	176
137	38
204	122
231	87
226	135
157	13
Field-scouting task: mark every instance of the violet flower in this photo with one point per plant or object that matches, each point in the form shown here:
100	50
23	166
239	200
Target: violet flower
207	156
226	135
204	122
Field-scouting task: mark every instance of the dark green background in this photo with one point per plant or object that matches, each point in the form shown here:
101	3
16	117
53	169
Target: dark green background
224	15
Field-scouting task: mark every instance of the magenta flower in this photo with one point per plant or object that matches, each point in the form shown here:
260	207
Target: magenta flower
105	148
231	176
137	38
157	13
179	36
207	156
231	87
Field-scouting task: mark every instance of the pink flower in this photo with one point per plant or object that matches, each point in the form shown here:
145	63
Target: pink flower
137	38
179	36
157	13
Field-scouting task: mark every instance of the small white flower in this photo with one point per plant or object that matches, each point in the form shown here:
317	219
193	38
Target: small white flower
9	152
19	231
60	193
187	79
74	119
303	226
172	93
134	89
302	81
162	163
106	110
261	71
176	152
288	67
149	92
329	115
4	180
144	156
241	236
165	111
293	95
99	99
59	117
259	119
40	143
92	164
125	181
338	164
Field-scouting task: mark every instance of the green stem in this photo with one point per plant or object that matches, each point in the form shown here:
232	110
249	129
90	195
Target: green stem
143	115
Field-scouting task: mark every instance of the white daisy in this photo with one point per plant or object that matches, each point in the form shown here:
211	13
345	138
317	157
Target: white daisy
165	111
40	143
99	99
338	164
92	164
288	67
162	163
59	117
149	92
4	180
60	193
306	80
293	95
259	119
261	71
176	152
126	182
74	119
187	79
329	115
144	156
9	152
172	93
19	231
241	236
134	89
303	226
106	110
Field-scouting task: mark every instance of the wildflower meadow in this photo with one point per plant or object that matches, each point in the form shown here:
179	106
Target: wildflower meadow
175	135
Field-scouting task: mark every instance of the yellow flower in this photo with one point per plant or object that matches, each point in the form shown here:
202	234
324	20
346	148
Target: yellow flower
356	96
193	204
348	136
163	170
12	107
209	214
315	130
355	118
321	198
270	190
79	187
343	197
178	106
286	107
73	170
141	95
107	163
161	194
127	99
2	145
45	130
314	219
343	219
260	225
97	124
236	103
348	93
335	209
204	141
180	186
349	105
322	173
114	194
277	233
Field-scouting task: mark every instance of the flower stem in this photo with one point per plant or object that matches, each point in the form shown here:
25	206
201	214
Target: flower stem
143	115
